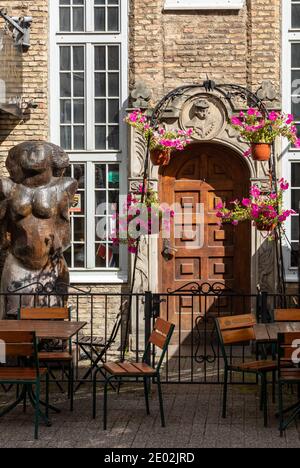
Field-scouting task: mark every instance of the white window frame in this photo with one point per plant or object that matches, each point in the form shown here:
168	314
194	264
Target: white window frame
204	4
91	156
289	154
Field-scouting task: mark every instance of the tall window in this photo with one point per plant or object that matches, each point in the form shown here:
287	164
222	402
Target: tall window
291	103
88	93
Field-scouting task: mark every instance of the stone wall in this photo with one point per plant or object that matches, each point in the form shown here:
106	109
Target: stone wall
168	49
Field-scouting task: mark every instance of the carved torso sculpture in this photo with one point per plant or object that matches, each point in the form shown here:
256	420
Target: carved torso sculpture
35	224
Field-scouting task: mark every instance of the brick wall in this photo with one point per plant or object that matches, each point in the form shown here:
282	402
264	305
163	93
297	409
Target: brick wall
173	48
35	73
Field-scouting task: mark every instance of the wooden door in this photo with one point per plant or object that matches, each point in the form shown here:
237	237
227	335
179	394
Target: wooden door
205	174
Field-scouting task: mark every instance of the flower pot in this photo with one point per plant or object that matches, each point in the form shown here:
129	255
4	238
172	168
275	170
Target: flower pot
160	157
261	151
263	227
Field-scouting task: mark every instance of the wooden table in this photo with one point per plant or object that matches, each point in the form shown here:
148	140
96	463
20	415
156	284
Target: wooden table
268	333
44	329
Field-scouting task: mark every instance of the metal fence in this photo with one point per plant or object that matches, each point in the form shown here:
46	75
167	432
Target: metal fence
194	354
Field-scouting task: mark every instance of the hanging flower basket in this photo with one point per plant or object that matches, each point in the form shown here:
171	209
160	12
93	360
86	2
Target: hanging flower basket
162	141
160	157
260	131
265	210
261	151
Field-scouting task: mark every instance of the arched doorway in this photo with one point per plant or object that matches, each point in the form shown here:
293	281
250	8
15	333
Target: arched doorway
206	174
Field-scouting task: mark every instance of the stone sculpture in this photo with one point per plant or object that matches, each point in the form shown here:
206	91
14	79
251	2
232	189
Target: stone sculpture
35	223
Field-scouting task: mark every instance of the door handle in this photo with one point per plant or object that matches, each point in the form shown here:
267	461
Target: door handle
168	251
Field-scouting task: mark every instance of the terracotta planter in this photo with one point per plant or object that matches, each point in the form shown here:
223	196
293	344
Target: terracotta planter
160	157
261	151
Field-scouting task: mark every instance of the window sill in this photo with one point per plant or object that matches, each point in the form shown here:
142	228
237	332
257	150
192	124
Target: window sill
204	4
96	277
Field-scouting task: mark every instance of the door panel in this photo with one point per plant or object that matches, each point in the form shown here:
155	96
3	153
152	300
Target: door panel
204	174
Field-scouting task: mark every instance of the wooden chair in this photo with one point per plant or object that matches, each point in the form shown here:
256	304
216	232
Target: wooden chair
23	345
54	356
288	374
126	371
287	315
236	331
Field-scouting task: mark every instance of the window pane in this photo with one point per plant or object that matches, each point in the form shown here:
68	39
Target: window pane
113	84
100	203
100	111
65	19
66	137
79	229
113	19
79	256
294	254
113	58
65	112
99	2
100	137
296	175
100	255
78	58
295	228
100	85
79	111
100	58
295	199
114	176
296	16
113	111
78	85
100	176
78	19
296	109
65	84
113	202
101	228
79	138
78	2
79	174
113	138
99	19
296	82
65	58
296	55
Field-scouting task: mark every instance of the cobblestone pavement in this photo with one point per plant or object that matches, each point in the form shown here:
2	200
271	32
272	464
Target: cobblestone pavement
193	414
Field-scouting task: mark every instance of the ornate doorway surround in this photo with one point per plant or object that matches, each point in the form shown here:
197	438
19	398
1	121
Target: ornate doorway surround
207	111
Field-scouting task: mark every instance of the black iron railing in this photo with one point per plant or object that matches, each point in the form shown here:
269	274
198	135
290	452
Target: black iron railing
194	355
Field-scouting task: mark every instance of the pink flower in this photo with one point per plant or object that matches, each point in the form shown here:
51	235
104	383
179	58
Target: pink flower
255	211
255	191
219	206
284	185
246	202
248	153
273	116
290	119
251	111
235	222
236	121
273	196
297	143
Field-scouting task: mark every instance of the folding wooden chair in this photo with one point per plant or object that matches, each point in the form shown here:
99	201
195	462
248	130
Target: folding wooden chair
237	331
54	356
23	345
127	371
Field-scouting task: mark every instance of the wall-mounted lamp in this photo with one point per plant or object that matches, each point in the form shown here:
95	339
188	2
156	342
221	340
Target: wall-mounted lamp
20	28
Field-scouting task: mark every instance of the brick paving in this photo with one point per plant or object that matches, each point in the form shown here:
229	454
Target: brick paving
193	414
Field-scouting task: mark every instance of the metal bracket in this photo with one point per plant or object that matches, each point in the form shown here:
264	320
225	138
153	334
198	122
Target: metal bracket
20	28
